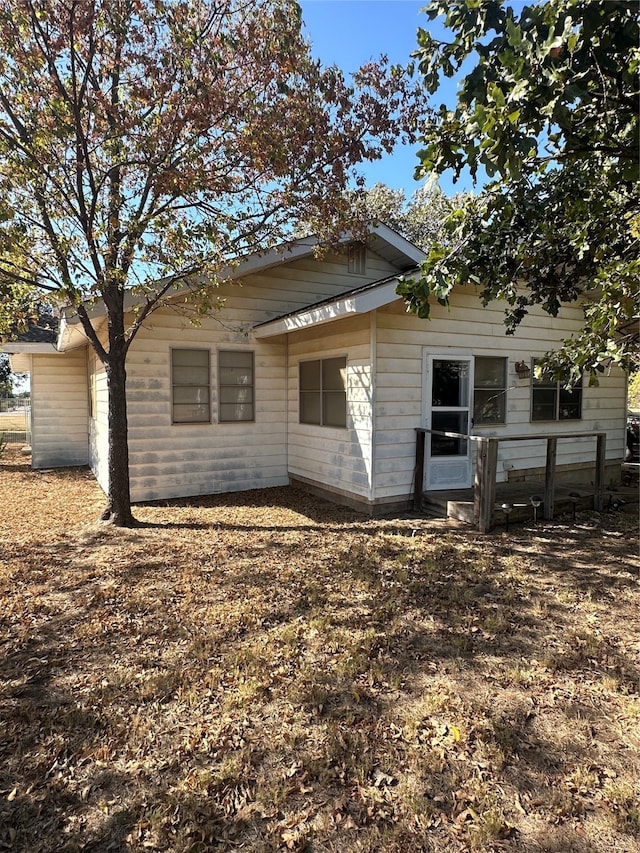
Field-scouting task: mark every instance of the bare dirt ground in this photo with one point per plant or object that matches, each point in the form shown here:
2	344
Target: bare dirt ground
268	672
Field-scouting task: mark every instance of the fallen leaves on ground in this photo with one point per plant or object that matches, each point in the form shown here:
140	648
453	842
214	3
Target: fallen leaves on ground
264	671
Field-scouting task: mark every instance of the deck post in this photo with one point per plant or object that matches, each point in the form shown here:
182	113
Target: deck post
549	477
417	489
484	494
598	489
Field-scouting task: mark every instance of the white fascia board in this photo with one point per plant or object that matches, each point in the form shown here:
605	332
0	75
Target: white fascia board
356	303
15	347
70	335
413	253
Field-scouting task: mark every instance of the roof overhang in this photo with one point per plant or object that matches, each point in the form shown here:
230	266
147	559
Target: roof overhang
350	304
383	240
20	353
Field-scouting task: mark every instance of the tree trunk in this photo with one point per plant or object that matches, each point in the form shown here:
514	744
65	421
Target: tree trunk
118	510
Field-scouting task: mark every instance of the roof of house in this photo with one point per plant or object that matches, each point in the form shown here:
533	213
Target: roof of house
386	242
360	300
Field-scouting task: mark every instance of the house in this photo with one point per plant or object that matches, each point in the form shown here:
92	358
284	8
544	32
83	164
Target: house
314	373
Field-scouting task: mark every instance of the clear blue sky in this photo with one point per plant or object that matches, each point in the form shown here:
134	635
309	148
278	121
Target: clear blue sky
348	33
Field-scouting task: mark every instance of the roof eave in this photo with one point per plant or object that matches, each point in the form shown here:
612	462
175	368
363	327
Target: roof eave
348	305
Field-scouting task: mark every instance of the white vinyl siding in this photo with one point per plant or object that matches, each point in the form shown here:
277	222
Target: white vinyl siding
226	456
399	407
336	458
59	409
99	419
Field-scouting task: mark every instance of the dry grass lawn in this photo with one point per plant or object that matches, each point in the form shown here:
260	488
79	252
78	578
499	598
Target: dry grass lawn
265	672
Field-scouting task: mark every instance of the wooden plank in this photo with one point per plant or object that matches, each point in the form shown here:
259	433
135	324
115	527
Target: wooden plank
549	476
419	476
601	450
485	483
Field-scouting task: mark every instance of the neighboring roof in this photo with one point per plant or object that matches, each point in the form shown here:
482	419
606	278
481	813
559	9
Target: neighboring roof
41	336
360	300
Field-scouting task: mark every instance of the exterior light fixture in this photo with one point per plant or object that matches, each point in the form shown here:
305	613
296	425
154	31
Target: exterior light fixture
506	509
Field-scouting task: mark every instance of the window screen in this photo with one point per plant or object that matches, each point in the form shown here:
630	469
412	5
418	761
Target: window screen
236	386
190	386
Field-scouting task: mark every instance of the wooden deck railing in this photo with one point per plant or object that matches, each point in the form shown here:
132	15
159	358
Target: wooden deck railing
484	494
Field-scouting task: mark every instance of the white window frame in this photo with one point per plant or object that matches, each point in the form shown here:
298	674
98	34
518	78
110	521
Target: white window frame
558	389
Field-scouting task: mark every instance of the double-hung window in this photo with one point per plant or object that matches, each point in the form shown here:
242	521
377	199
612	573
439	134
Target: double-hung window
553	400
190	386
323	392
236	386
490	390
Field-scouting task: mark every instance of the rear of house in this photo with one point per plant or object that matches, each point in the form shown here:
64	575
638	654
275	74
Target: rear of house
314	373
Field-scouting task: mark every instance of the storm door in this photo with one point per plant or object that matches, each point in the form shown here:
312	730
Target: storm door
449	383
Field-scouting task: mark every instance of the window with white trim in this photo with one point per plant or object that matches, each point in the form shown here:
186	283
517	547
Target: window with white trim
323	392
235	386
553	400
490	390
190	386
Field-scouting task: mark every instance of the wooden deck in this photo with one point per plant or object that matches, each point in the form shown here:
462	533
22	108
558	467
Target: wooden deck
459	504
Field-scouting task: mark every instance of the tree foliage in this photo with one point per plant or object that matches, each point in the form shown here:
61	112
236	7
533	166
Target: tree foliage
549	111
5	374
145	144
420	219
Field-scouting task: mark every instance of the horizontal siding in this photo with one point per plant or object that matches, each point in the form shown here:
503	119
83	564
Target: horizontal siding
59	415
177	460
98	425
337	458
401	341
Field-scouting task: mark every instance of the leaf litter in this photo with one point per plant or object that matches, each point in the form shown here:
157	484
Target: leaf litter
265	671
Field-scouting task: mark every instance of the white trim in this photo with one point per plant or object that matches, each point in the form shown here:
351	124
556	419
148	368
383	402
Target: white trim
356	303
373	359
71	334
445	462
14	347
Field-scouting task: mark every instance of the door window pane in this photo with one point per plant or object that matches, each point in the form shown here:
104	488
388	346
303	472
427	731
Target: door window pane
450	385
442	445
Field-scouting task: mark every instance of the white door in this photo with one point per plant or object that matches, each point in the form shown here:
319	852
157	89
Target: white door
449	384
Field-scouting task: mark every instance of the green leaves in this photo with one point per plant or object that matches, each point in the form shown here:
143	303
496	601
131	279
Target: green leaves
550	112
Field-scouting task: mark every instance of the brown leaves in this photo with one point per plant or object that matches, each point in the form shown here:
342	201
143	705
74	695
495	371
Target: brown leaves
265	669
